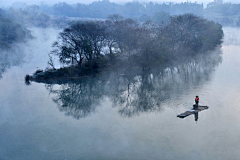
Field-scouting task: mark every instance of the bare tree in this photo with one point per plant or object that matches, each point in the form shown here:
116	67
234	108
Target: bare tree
80	42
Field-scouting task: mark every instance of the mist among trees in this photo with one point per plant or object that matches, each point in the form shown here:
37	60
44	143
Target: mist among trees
104	34
58	15
227	14
11	31
91	47
143	43
16	19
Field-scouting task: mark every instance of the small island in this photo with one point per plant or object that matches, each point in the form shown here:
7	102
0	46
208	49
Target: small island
92	47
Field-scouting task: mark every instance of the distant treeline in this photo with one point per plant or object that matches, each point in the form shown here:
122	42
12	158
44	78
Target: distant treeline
223	13
227	14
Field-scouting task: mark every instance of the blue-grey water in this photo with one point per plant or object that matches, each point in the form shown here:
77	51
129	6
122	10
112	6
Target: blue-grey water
127	117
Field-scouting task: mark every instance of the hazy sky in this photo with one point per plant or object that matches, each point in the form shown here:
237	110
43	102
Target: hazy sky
9	2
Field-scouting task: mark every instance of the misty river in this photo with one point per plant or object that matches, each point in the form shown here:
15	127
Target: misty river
128	117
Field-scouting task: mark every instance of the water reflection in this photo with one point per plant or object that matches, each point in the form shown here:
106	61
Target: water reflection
77	99
10	57
196	116
134	94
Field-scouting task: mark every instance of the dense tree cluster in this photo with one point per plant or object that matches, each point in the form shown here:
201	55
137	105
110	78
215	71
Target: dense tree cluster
140	44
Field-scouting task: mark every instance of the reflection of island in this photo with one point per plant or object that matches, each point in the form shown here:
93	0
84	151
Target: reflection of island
146	92
78	98
134	93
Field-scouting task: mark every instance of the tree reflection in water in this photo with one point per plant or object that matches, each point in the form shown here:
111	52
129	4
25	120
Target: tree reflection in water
134	93
79	98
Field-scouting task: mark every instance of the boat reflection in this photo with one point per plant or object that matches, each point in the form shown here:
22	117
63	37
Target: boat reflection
196	116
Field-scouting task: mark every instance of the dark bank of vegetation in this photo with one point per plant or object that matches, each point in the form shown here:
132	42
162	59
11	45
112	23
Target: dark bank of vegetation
92	47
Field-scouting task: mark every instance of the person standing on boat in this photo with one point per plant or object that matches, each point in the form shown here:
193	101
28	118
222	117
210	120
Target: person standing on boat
197	100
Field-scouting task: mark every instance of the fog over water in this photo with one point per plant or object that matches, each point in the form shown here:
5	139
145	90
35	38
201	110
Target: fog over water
44	121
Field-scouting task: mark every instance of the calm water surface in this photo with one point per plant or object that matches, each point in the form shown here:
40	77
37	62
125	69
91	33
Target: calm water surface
127	117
